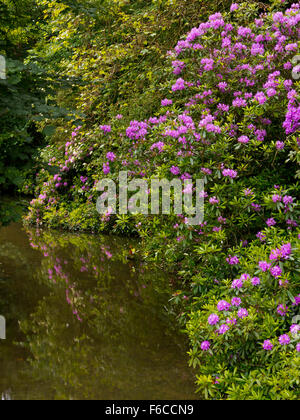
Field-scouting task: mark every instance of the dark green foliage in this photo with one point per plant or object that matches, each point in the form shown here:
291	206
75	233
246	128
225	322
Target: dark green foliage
24	93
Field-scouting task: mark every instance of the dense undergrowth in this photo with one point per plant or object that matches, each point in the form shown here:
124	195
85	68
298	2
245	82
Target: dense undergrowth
25	98
223	105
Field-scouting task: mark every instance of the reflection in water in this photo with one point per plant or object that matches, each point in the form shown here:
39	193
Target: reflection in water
93	322
6	396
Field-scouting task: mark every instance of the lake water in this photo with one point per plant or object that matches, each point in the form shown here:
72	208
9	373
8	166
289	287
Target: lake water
86	320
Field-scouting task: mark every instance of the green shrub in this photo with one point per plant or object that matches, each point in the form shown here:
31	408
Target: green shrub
234	121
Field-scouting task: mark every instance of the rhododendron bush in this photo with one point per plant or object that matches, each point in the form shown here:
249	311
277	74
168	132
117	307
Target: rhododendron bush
230	114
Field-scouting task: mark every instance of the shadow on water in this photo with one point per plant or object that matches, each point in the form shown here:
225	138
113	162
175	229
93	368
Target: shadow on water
85	321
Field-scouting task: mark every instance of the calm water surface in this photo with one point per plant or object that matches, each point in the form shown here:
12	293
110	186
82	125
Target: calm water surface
85	321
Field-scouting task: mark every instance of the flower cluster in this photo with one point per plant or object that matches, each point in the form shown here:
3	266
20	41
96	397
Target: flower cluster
230	115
